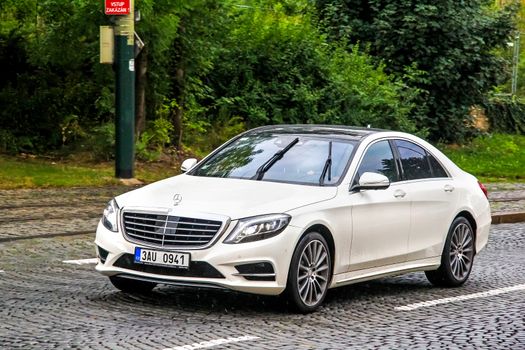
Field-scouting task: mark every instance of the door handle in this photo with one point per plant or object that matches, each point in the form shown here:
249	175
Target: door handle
399	194
448	188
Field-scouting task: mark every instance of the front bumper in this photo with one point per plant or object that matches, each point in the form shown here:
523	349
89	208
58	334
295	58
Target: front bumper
214	266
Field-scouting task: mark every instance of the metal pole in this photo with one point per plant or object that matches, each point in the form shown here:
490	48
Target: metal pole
125	95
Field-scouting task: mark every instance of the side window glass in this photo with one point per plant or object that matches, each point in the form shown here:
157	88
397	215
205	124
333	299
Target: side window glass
437	169
414	160
379	159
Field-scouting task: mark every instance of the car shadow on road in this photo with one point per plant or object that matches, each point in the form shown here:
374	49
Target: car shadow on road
225	302
399	287
202	300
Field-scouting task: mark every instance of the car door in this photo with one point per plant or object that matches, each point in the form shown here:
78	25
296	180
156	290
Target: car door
380	218
433	196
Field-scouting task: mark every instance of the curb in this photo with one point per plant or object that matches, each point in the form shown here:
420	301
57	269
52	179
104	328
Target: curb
508	218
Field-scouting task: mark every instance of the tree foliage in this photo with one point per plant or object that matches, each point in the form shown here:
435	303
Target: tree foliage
53	83
450	42
277	68
211	68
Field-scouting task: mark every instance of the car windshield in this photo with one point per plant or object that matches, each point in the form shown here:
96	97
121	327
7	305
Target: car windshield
292	158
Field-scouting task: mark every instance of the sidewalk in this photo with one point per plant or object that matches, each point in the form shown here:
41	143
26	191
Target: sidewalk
507	202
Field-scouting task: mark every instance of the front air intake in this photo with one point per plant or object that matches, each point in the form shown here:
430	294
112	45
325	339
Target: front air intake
102	254
262	271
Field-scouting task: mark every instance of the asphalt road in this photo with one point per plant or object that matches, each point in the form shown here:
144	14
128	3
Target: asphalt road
48	304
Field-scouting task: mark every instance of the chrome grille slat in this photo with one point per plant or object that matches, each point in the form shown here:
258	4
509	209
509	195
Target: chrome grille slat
146	225
192	223
180	241
189	229
145	238
184	235
158	217
168	230
145	231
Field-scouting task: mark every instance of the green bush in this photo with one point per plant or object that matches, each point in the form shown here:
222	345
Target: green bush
205	136
506	114
54	86
277	68
101	141
453	42
8	142
359	93
151	143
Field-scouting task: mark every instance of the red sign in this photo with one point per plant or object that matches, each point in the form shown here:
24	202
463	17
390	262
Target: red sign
117	7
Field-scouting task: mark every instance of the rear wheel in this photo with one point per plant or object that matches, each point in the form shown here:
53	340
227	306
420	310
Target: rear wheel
457	257
131	286
310	272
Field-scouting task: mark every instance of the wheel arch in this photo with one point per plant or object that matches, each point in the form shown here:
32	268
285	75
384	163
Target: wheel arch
470	218
327	235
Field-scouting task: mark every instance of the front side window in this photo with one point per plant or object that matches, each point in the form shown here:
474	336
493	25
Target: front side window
414	160
379	158
303	159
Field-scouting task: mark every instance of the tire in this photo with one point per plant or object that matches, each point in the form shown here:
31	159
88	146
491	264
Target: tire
457	257
132	286
310	273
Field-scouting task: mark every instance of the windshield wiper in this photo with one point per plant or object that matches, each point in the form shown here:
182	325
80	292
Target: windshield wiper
270	162
327	166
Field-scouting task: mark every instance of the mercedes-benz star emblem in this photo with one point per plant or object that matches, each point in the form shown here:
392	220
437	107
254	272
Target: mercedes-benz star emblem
177	199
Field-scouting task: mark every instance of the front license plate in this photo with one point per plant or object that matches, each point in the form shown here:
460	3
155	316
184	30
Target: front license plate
157	257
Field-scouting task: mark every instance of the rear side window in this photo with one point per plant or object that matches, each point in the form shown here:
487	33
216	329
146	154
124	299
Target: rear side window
379	158
414	160
437	169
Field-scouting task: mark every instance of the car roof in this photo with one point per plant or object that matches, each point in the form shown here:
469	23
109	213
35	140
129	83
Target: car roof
350	132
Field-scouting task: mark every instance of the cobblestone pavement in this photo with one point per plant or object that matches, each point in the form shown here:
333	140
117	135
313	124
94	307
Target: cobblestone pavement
46	304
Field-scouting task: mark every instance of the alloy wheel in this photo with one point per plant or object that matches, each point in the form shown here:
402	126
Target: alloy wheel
461	251
313	272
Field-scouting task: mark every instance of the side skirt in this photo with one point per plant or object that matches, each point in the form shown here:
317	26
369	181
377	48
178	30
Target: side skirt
384	271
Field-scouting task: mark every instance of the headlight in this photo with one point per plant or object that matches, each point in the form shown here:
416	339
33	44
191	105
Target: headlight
109	218
257	228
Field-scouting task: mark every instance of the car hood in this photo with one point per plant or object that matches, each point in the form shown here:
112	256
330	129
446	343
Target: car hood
235	198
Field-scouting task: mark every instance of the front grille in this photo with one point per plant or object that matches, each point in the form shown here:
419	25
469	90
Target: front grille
169	231
197	268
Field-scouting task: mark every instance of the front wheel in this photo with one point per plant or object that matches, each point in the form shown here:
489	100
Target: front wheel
310	272
457	257
131	286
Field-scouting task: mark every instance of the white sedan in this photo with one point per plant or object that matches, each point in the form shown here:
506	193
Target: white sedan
298	209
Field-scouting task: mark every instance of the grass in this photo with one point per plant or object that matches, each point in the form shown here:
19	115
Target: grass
491	158
18	172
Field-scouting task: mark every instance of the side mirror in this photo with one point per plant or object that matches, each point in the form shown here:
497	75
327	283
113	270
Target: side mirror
372	181
188	164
